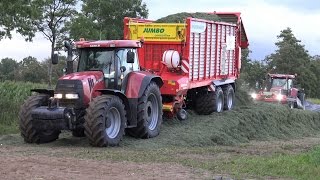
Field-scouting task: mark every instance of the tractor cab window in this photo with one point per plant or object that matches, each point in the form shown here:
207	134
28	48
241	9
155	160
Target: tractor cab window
281	83
97	60
122	55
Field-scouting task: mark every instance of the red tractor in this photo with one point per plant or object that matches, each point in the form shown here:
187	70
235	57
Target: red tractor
126	85
106	94
279	89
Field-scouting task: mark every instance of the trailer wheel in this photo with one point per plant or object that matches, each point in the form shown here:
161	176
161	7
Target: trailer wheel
182	114
28	131
105	121
228	94
149	113
218	100
204	103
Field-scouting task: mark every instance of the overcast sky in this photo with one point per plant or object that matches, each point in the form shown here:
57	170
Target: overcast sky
263	21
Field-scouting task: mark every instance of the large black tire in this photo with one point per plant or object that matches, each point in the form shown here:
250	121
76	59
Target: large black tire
105	121
204	103
149	113
207	103
28	131
218	100
228	94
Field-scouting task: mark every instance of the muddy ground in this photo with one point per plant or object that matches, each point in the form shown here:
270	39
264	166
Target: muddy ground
68	158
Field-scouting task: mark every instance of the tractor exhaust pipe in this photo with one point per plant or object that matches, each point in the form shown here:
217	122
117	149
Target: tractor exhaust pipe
68	46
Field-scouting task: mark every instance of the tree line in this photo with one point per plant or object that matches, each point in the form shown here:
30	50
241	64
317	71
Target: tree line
59	20
30	69
290	57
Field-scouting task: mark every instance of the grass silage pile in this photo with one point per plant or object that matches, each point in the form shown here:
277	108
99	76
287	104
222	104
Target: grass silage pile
181	17
248	121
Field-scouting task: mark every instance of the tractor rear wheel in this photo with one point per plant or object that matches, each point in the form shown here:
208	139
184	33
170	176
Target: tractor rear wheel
228	94
149	113
105	121
28	131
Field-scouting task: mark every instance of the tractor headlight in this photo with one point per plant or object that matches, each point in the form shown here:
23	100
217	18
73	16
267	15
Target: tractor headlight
279	97
57	96
254	95
72	96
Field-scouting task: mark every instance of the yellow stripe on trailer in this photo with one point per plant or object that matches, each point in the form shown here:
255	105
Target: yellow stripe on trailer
158	31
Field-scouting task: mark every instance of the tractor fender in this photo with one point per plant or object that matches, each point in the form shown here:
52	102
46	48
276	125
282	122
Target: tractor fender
136	82
49	92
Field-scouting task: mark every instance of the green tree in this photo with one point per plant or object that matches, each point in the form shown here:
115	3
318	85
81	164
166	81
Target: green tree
8	69
16	15
252	72
57	70
31	70
315	69
50	21
292	58
104	19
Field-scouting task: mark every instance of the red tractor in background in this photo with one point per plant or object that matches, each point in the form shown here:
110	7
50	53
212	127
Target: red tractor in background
126	85
280	89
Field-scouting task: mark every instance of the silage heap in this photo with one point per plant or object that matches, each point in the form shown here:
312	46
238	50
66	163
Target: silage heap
248	121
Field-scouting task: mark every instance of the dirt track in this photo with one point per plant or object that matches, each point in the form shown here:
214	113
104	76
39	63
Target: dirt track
62	161
44	167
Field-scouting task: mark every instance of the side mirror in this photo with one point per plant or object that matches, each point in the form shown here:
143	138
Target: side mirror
130	57
55	59
123	69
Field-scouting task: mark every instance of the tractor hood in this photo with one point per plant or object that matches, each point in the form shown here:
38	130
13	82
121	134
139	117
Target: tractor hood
83	75
86	82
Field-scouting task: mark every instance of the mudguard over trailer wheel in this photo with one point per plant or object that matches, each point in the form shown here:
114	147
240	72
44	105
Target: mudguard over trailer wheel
228	94
105	121
28	131
149	113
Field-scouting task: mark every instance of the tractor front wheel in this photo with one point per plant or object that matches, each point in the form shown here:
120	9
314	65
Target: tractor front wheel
28	131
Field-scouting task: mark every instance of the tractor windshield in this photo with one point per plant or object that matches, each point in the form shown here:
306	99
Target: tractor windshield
281	83
96	59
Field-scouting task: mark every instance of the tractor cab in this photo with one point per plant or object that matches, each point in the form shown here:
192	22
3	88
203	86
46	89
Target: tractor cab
115	59
280	89
280	83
